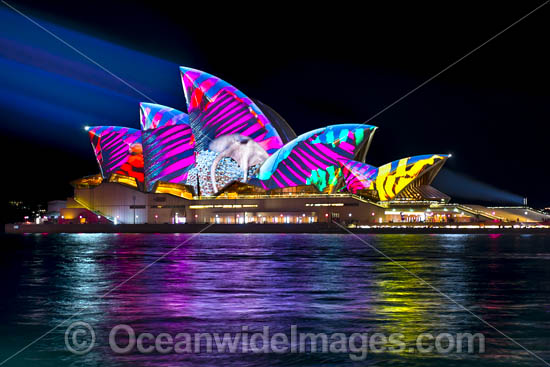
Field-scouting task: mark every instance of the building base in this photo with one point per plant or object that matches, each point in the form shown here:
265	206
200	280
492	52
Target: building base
270	228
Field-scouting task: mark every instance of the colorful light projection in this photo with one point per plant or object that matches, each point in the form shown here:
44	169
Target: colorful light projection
358	176
225	137
283	128
314	158
216	108
153	115
206	171
168	144
393	177
118	150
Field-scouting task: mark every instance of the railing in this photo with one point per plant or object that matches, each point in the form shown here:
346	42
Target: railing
479	212
289	196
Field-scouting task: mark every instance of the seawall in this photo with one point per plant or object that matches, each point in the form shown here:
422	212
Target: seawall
252	228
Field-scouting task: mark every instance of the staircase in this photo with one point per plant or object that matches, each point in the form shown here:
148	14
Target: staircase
96	212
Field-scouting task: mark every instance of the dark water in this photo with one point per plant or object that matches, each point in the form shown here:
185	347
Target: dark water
320	283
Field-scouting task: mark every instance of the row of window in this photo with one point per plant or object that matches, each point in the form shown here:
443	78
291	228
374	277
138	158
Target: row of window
157	206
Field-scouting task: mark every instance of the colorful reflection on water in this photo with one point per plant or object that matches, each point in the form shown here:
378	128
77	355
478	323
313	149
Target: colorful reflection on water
321	283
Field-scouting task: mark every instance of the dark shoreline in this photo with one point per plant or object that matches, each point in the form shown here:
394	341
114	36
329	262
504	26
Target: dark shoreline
251	228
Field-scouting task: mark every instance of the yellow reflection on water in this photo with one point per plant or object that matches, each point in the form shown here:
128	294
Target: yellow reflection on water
405	305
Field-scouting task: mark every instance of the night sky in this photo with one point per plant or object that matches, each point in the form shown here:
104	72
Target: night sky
318	66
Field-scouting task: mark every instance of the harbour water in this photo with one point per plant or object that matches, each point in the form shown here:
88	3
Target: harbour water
316	283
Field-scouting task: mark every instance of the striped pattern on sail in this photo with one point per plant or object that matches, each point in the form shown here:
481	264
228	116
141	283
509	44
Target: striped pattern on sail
313	158
168	153
217	108
393	177
153	116
358	176
118	150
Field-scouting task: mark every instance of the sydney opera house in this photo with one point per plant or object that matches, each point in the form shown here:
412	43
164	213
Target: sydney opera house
231	159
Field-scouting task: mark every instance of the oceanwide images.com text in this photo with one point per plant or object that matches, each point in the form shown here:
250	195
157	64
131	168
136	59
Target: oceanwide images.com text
80	339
